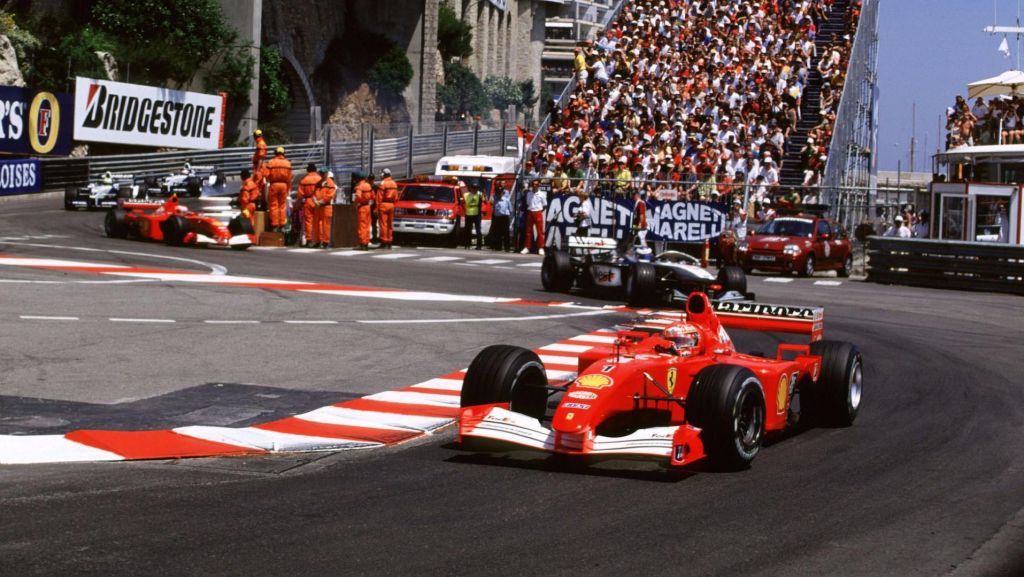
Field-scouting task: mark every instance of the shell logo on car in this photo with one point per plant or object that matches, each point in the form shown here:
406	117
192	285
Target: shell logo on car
598	381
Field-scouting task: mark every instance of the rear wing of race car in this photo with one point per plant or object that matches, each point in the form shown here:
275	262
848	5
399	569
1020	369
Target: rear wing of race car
752	316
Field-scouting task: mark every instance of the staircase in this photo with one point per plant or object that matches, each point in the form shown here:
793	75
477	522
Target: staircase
791	174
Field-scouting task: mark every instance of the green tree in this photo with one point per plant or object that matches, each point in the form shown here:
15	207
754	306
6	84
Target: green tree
392	72
164	41
454	37
462	92
529	93
503	92
274	96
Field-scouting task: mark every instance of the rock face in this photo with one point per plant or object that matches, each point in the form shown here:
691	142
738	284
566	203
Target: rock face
10	74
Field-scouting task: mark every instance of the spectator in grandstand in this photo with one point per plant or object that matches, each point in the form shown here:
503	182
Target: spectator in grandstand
920	228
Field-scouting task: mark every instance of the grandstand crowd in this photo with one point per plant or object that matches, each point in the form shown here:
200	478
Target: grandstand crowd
999	120
701	95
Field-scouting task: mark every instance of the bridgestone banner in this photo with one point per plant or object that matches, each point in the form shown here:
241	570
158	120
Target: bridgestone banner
146	115
671	221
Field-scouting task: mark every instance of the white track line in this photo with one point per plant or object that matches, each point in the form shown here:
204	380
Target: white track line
828	282
440	258
394	255
532	264
484	320
778	279
311	322
347	252
226	322
47	318
490	261
123	320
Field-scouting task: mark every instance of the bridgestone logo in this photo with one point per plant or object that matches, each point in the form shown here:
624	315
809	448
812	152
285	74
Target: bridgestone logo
762	310
125	113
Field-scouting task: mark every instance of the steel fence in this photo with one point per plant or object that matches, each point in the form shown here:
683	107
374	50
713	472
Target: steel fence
946	264
851	150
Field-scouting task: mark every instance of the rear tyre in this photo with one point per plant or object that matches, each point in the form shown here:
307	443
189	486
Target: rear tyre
124	192
240	225
727	403
115	224
507	374
556	271
808	269
847	269
641	284
732	278
70	194
834	400
175	228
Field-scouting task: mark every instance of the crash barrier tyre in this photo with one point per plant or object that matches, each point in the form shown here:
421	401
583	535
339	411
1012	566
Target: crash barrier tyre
70	193
727	403
115	224
194	186
507	374
641	284
732	278
175	228
556	271
835	399
808	269
847	269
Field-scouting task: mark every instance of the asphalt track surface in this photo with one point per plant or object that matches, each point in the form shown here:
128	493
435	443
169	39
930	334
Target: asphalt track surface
927	482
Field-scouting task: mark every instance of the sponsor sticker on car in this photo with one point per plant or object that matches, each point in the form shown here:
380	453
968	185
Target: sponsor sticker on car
581	406
583	395
594	381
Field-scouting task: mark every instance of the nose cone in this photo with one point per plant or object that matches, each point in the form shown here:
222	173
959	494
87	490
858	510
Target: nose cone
573	421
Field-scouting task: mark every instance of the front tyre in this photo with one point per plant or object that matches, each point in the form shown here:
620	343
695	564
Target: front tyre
175	228
808	269
727	403
70	195
834	400
556	271
507	374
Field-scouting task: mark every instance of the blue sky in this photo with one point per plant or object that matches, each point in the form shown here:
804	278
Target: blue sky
929	50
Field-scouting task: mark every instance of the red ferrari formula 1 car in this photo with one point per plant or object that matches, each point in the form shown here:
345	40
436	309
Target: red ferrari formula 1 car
174	224
680	392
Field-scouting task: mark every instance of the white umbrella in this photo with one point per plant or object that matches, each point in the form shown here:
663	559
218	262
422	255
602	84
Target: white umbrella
1009	82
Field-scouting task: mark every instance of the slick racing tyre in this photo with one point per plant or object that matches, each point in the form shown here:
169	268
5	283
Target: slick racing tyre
507	374
70	194
732	278
834	400
556	271
175	228
124	192
194	186
115	224
641	284
727	403
240	225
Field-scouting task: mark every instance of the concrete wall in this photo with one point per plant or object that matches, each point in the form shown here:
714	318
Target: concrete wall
246	17
506	42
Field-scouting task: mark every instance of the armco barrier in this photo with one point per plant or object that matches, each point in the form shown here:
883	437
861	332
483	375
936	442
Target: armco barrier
946	264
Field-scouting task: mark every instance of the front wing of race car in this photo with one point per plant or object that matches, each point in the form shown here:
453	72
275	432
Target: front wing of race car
679	445
237	241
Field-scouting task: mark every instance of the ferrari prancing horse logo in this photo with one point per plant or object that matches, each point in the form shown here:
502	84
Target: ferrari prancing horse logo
671	380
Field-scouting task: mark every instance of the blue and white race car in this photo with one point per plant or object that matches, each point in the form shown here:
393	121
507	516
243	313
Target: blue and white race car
104	193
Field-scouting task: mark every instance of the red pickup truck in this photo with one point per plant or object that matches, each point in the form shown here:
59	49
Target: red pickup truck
433	205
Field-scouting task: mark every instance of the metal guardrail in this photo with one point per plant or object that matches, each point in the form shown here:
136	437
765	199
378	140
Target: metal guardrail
977	266
851	148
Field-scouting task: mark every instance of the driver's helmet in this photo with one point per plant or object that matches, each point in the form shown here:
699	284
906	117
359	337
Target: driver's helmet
181	209
187	169
644	253
108	178
682	338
